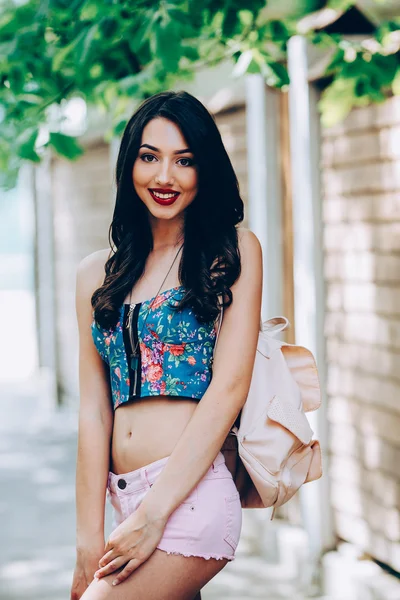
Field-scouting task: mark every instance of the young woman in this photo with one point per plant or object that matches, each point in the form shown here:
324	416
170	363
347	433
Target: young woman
155	408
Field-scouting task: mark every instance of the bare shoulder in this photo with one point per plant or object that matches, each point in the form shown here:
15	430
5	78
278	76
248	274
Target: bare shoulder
249	244
91	270
249	282
94	263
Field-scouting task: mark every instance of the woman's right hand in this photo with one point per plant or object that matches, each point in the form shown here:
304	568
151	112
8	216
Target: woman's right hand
87	562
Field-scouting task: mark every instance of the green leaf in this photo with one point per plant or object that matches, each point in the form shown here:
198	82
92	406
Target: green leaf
65	145
90	10
180	16
30	99
336	61
88	44
383	68
278	31
168	44
108	26
361	87
184	22
216	22
61	55
118	129
26	145
230	23
96	71
141	32
336	101
190	51
6	19
246	17
340	5
280	72
16	78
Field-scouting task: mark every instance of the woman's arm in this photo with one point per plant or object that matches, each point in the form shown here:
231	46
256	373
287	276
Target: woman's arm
95	421
233	364
95	413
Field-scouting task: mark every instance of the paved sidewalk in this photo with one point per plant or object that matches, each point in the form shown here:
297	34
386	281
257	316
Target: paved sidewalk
37	521
37	515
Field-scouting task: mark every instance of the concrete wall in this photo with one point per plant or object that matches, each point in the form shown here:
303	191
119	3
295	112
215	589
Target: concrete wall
361	186
82	214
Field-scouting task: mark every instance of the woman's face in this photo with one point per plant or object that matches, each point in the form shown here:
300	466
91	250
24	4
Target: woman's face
164	174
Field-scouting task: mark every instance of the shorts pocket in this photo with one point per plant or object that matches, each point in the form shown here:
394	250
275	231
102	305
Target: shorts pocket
133	501
116	504
233	522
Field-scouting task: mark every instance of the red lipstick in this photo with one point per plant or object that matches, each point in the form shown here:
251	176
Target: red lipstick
164	201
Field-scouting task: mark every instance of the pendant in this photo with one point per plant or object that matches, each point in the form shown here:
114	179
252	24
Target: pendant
134	362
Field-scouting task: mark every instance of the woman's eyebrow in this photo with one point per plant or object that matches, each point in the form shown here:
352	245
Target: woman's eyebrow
183	151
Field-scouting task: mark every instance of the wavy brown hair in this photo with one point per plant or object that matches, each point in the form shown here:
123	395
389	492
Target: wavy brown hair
210	259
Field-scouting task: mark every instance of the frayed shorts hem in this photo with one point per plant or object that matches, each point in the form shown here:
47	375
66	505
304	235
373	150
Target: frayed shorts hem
205	556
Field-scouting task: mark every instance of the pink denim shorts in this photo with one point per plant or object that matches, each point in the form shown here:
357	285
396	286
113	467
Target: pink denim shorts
207	523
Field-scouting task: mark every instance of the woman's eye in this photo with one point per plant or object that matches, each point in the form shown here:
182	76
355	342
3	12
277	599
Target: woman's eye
189	162
148	158
145	157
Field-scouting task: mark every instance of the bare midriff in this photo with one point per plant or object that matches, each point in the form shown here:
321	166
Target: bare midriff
148	429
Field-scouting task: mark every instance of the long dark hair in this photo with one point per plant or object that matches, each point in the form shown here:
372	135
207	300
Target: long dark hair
210	258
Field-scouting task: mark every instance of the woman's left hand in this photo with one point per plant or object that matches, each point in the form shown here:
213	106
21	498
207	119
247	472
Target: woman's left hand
130	544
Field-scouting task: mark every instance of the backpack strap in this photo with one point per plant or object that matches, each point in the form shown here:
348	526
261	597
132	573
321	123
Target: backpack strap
275	325
218	330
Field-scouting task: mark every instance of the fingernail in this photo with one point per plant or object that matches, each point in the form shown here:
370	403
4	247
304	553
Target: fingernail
115	582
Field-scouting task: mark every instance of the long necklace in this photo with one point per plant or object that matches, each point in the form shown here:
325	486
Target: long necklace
134	358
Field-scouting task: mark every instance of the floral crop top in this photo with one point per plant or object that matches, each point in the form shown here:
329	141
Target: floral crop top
174	352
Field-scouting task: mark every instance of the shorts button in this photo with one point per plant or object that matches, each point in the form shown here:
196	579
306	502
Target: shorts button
121	484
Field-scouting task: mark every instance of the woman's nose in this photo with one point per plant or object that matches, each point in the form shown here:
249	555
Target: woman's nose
164	175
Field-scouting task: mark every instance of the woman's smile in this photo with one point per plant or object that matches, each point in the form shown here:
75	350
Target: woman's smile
164	197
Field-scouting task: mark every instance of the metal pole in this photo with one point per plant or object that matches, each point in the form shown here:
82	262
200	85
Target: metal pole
262	116
308	273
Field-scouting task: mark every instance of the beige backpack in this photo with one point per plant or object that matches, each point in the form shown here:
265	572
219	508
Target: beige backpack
272	453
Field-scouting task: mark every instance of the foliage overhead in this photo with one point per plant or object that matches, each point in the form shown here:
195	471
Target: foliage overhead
109	52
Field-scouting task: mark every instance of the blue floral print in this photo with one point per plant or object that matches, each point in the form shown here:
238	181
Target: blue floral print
175	350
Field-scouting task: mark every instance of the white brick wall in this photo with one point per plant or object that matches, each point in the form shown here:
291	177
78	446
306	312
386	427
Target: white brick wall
232	125
361	211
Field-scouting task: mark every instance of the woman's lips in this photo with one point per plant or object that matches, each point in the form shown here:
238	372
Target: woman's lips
164	201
